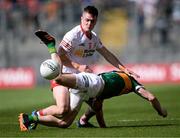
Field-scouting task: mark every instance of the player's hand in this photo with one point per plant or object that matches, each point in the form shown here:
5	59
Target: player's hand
163	113
131	73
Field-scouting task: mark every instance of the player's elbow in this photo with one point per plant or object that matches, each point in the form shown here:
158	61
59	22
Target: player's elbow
151	97
146	94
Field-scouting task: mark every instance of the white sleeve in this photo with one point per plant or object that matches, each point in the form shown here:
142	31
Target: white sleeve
98	41
66	43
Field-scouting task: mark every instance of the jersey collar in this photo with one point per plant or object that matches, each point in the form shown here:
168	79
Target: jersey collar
88	35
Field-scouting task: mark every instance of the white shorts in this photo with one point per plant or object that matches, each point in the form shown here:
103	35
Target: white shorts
88	86
89	83
76	100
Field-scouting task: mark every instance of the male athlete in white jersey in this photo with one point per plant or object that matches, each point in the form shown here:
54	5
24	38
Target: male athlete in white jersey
77	52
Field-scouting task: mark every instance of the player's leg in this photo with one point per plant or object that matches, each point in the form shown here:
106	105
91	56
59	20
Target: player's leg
47	39
47	115
52	121
61	93
61	96
89	82
154	101
76	100
28	122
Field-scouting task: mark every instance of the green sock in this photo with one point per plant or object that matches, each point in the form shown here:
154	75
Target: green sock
33	118
51	48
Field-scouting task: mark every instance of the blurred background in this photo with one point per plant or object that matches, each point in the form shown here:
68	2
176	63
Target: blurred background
136	31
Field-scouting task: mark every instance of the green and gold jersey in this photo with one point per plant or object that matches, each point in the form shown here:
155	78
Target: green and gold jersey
117	83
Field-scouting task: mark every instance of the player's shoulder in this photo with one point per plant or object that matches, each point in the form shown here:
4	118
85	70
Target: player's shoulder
73	32
95	36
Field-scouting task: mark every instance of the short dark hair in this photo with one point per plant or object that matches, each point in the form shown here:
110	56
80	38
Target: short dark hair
92	10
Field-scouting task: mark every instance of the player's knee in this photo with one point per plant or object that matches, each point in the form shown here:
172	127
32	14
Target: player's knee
62	110
65	109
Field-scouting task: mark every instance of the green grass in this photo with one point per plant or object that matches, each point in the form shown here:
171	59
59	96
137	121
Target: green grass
126	116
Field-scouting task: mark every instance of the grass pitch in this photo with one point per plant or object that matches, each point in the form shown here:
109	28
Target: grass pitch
126	116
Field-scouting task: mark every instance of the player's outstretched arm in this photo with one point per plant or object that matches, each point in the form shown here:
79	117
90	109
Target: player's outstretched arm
97	106
154	101
129	72
111	58
100	118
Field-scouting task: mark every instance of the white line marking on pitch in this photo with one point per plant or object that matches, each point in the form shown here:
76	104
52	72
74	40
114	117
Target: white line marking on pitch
135	120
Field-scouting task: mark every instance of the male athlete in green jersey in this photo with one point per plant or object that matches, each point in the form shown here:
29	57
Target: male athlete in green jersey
116	83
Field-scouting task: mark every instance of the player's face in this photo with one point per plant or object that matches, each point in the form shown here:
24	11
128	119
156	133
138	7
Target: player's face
88	21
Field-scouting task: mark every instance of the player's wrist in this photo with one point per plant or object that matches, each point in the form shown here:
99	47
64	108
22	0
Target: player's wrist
122	68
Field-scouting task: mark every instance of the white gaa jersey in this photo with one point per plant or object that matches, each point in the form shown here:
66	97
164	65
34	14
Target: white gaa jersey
79	47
